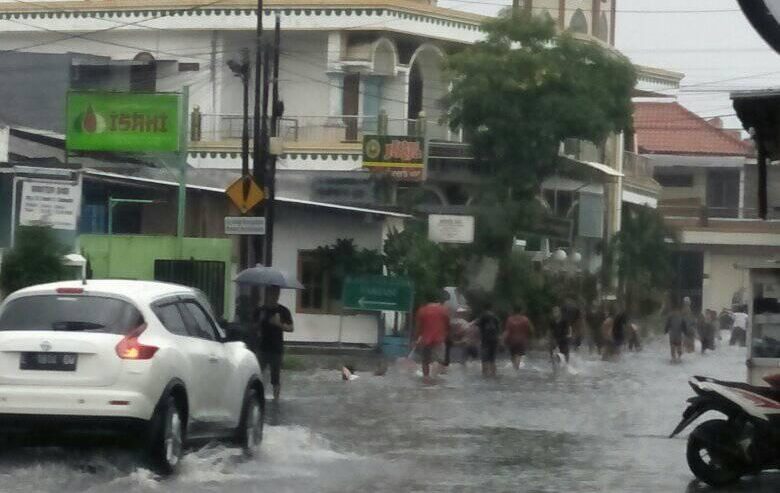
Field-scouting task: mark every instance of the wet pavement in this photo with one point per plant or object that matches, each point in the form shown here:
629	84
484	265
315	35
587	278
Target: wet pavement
602	429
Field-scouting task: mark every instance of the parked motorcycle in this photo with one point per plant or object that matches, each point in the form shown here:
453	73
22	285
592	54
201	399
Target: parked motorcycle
720	451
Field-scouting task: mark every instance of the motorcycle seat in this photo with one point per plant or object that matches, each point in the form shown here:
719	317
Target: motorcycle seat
768	392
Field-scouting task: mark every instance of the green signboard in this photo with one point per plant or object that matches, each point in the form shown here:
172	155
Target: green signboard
378	293
123	122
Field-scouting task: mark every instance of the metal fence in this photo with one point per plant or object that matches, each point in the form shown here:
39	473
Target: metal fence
206	275
318	129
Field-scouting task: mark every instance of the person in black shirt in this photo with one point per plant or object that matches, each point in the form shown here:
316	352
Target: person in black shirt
560	330
620	329
595	318
489	329
273	320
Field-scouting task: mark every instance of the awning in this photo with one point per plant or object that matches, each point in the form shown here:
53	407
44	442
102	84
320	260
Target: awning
328	205
592	166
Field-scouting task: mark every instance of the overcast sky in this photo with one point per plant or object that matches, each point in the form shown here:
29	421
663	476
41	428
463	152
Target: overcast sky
710	41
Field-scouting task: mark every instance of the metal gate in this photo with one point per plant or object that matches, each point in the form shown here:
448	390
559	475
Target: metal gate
206	275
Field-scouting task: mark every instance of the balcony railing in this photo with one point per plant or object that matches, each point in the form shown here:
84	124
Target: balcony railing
703	213
318	130
637	166
583	150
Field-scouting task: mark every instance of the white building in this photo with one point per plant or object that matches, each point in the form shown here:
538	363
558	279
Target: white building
343	64
709	179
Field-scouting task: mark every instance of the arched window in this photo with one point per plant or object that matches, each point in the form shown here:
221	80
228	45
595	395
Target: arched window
579	23
602	28
143	73
415	102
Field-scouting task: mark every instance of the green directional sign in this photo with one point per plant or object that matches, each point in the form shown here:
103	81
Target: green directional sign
123	121
378	293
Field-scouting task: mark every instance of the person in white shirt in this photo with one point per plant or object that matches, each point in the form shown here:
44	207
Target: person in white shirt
739	329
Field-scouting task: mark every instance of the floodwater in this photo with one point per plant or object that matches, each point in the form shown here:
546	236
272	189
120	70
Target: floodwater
603	429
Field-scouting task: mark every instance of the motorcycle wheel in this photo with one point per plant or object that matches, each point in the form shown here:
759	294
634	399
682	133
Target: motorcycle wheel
708	465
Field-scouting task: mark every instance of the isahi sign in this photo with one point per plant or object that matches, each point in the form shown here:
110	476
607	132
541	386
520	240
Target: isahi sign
123	122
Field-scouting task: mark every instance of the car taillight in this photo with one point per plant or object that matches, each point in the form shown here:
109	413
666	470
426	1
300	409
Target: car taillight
130	348
70	290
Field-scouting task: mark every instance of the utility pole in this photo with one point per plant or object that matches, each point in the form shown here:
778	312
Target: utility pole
276	112
258	165
241	70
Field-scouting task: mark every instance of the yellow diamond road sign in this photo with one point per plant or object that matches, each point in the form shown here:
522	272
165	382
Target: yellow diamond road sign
245	197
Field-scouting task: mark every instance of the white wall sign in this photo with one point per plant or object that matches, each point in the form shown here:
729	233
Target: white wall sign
450	229
244	225
50	203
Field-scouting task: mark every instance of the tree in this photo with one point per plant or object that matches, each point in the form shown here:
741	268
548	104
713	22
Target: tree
343	259
642	253
524	89
430	266
35	258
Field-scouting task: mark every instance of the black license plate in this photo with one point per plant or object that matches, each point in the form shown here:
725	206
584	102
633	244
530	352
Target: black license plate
48	361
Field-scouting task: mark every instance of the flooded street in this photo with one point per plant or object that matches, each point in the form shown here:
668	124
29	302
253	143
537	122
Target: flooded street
603	429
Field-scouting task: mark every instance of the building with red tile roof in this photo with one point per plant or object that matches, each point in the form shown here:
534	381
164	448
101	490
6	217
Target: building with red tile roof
708	176
670	128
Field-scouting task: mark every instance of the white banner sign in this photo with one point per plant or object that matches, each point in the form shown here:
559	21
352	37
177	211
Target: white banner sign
50	203
244	225
450	229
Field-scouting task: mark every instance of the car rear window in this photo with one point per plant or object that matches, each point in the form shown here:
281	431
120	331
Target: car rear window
70	313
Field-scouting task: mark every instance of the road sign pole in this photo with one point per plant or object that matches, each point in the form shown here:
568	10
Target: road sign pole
183	134
341	327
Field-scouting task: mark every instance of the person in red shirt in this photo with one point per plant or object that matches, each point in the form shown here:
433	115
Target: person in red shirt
432	324
517	334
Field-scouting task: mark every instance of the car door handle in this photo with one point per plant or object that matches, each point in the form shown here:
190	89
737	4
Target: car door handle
213	358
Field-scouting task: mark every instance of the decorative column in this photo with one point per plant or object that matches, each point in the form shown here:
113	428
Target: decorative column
335	73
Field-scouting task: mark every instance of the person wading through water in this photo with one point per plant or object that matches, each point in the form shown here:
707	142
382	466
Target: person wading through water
272	320
489	331
517	334
432	323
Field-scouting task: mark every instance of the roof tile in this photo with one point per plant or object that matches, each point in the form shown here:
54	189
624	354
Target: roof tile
670	128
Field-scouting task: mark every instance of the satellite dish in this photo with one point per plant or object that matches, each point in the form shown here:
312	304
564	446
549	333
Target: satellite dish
764	15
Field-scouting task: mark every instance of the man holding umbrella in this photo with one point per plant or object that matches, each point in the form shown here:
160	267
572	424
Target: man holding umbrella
271	320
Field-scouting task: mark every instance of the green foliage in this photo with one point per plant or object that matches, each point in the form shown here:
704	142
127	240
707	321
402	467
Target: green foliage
642	253
525	88
429	265
519	283
343	259
36	258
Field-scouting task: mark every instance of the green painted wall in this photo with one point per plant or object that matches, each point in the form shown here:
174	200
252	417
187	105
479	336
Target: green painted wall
133	256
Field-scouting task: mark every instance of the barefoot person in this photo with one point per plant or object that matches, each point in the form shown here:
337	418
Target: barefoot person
517	333
676	327
273	320
560	333
432	322
489	329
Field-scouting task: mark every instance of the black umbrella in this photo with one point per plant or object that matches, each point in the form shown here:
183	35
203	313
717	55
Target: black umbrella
267	276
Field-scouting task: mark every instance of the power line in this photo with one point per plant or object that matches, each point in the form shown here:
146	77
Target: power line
96	31
590	10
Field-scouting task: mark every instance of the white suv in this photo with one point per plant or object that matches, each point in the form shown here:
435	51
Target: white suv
146	360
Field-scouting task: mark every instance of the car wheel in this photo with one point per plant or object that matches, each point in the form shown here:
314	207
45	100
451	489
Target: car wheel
250	429
708	464
168	436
